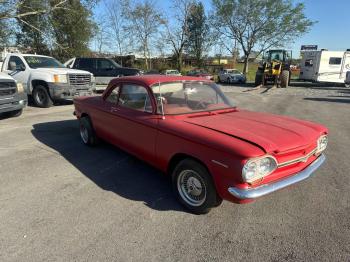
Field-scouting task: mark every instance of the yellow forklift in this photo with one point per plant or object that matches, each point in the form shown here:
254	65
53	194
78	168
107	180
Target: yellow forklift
274	68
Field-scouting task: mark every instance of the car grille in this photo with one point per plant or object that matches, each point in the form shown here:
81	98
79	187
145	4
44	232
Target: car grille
7	88
79	80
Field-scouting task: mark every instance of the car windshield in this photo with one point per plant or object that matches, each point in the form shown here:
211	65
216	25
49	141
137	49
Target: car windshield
189	97
43	62
233	71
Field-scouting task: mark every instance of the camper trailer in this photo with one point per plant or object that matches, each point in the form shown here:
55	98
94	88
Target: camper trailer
325	66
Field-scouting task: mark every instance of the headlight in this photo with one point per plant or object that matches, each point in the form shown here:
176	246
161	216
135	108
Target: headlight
257	168
322	143
20	88
60	78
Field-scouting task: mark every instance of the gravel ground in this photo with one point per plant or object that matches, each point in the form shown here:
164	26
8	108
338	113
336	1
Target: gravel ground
62	201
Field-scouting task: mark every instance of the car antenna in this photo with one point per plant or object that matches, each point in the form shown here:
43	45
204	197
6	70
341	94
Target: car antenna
161	101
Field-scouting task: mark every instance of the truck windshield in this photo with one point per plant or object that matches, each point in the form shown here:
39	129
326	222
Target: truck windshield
43	62
189	97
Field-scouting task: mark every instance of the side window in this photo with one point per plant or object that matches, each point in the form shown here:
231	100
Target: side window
113	96
105	64
17	62
335	60
135	97
86	63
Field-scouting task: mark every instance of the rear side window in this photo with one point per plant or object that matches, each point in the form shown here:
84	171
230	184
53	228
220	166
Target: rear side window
18	61
335	60
105	64
135	97
86	63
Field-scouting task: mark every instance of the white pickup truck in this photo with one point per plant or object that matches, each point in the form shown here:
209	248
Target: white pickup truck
46	80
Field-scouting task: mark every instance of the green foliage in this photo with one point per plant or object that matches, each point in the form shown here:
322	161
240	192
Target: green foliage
260	25
198	36
32	28
72	29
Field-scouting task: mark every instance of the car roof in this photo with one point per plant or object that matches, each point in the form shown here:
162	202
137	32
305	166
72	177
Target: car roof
155	79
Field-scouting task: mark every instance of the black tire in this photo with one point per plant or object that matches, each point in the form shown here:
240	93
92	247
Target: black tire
41	97
15	113
258	79
189	175
285	78
87	132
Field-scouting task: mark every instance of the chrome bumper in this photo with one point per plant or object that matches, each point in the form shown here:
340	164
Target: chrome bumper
269	188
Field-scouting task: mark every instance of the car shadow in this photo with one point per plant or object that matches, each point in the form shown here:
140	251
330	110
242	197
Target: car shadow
109	167
344	99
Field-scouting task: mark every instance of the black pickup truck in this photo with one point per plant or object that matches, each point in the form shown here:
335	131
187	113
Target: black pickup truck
103	69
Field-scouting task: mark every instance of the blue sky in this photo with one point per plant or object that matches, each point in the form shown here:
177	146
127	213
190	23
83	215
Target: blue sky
331	31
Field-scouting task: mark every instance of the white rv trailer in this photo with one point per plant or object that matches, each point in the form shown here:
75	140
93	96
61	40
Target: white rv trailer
325	66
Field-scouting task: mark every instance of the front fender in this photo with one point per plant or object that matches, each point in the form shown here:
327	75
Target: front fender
36	76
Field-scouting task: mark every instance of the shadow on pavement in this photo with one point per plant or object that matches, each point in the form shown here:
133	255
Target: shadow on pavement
109	167
336	100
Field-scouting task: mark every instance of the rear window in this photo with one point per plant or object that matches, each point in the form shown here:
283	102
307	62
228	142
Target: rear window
335	60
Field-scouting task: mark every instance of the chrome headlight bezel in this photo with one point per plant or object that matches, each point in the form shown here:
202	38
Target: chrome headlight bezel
257	168
322	143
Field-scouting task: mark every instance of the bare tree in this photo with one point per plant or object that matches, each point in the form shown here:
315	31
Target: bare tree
144	22
177	32
115	11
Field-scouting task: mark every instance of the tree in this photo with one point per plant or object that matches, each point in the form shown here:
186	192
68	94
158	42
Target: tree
260	25
177	33
33	28
72	29
198	37
115	11
144	24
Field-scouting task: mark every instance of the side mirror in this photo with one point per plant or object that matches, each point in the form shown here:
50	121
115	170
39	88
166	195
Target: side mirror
13	66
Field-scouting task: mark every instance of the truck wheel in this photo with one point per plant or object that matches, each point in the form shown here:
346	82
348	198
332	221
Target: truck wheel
258	79
87	132
41	97
16	113
194	187
285	78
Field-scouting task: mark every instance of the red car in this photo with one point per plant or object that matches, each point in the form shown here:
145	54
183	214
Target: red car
212	150
200	73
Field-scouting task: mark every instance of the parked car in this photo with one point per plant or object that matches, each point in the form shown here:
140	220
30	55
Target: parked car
231	76
212	150
200	73
46	79
12	96
103	69
172	72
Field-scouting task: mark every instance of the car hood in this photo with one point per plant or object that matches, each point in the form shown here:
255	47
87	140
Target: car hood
4	76
62	71
272	133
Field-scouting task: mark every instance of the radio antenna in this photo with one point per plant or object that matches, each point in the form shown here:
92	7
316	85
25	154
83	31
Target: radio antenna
161	101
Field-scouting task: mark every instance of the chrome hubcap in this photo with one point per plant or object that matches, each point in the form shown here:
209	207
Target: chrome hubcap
191	188
84	134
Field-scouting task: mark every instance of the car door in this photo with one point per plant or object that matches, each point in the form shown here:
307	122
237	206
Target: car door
130	121
106	71
20	72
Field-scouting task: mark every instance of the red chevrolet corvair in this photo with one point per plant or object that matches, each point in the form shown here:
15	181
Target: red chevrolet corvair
189	129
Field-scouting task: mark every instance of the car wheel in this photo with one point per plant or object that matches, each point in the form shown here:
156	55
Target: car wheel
15	113
41	97
194	187
87	132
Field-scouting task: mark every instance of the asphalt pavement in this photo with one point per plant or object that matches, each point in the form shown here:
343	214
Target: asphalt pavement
63	201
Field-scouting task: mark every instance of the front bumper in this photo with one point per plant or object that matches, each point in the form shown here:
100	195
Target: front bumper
252	193
67	91
17	102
